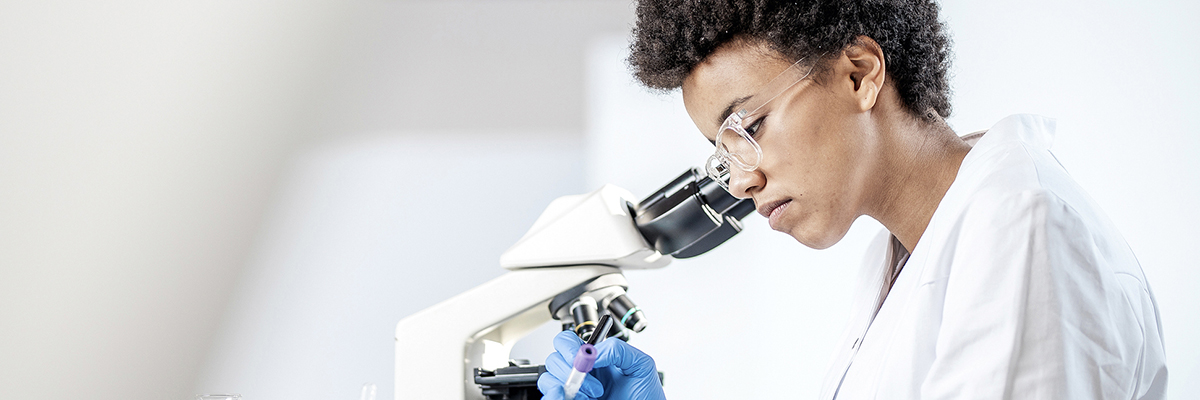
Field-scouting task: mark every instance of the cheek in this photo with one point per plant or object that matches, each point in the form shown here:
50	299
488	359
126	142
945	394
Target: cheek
837	150
814	136
815	160
818	171
818	150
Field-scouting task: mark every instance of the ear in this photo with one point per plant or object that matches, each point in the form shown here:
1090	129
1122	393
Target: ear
866	70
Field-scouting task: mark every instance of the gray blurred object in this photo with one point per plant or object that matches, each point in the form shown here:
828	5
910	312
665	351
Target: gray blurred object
368	392
218	397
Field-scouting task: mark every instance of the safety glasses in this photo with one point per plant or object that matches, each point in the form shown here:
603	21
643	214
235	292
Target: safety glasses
735	144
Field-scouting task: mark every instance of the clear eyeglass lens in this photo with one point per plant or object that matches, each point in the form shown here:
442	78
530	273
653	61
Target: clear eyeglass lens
718	170
739	148
735	148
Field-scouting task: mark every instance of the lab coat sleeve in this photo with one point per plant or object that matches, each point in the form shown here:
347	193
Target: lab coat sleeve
1027	313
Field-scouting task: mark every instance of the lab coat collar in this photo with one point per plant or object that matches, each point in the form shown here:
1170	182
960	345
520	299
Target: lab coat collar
1035	130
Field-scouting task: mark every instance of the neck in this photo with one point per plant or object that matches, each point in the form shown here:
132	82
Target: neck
920	161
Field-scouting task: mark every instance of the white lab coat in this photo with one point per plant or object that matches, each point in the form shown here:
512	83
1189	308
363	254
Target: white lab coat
1020	288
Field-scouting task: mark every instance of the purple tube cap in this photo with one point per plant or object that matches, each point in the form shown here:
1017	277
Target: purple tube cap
585	358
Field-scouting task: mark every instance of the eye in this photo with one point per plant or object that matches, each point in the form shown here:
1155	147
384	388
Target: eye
753	128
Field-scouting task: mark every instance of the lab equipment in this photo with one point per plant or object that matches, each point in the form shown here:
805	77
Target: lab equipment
517	381
583	312
576	249
584	359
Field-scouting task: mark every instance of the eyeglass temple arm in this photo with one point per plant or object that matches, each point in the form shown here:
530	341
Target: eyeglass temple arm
775	87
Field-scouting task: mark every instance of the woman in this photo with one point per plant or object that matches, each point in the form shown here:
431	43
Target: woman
997	276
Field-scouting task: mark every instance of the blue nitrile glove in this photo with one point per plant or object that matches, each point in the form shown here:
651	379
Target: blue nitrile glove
558	367
621	372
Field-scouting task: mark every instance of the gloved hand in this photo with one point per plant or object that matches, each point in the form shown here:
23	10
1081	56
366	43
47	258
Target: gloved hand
621	372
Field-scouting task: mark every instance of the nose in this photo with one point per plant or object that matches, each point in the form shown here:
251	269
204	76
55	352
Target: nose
742	183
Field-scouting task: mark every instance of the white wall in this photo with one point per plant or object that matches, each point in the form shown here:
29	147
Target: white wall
139	141
368	230
142	144
474	65
448	127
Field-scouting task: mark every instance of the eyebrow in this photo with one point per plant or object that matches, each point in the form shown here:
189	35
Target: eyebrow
727	111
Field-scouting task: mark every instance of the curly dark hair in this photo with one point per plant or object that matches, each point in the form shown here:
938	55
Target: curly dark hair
673	36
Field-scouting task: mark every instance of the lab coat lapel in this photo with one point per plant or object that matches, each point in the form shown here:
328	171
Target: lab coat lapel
866	288
865	373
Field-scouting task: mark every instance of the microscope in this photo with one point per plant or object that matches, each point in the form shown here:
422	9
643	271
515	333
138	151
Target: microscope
567	267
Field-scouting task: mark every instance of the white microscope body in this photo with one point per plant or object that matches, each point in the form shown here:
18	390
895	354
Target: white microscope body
579	244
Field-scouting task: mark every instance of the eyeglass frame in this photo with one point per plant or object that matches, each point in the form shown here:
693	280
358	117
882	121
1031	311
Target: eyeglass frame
720	172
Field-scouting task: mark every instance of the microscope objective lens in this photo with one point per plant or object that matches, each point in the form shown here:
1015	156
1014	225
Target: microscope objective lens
584	312
628	314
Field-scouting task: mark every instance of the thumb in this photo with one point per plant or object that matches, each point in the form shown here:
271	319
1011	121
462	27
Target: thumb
631	361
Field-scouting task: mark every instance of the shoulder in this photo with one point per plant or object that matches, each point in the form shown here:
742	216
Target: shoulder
1027	215
1005	214
1010	172
1006	198
1011	197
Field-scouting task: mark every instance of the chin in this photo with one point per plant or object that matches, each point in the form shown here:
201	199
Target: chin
818	238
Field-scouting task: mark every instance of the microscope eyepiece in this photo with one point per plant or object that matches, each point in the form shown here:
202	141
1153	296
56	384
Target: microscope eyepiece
689	216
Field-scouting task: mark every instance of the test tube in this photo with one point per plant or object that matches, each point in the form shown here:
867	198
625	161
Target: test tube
584	359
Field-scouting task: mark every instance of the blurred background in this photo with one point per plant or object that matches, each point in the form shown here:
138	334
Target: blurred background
246	196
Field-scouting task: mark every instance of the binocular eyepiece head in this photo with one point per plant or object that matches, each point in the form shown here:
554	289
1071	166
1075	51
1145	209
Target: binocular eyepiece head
690	216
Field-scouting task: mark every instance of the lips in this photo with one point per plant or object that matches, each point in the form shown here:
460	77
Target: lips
767	209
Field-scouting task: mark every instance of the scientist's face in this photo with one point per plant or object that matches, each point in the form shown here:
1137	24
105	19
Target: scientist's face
816	147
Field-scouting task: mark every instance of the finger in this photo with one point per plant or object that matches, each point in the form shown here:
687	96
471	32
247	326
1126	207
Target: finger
556	365
560	369
567	344
550	386
591	387
628	359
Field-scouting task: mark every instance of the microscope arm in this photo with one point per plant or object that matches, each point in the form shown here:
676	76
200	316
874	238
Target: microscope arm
437	347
